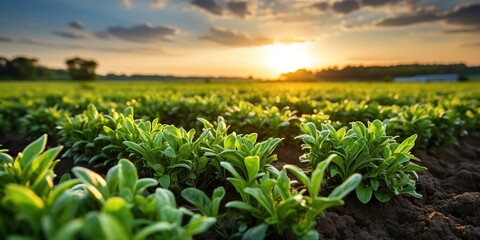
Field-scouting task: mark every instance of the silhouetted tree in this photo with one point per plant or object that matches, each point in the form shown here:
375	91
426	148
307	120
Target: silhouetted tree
81	69
22	68
44	73
300	75
375	73
3	68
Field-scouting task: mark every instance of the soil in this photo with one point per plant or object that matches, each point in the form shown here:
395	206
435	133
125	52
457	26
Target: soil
449	208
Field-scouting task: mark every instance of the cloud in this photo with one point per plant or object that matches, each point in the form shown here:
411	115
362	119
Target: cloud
379	3
154	3
208	5
292	40
349	6
71	35
321	6
126	3
76	25
119	49
408	19
159	3
463	30
24	41
467	16
239	8
345	6
145	33
464	16
234	38
76	31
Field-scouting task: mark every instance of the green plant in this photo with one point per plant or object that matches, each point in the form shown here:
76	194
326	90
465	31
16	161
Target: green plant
78	134
88	206
170	152
384	164
199	199
165	152
266	121
31	168
41	120
289	212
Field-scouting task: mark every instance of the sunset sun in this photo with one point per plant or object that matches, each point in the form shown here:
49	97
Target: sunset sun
282	58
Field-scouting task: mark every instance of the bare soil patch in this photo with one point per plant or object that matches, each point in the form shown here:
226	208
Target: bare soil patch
449	209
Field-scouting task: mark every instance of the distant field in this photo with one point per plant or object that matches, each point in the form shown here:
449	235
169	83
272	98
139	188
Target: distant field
263	107
475	78
126	87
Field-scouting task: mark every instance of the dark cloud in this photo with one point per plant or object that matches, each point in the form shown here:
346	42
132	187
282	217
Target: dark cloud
349	6
464	16
234	38
409	19
463	30
71	35
24	41
467	16
239	8
378	3
141	33
345	6
6	39
208	5
321	6
77	25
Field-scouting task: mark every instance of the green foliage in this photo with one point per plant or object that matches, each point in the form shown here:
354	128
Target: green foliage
79	132
190	156
384	164
270	110
167	153
199	199
89	206
289	213
167	150
435	126
41	121
268	121
32	168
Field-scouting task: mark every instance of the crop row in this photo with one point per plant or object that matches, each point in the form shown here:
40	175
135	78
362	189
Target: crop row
174	162
436	123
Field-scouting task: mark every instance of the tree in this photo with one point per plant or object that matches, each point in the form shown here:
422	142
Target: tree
22	68
3	68
81	69
300	75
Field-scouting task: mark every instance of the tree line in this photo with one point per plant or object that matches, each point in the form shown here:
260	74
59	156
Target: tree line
25	68
377	73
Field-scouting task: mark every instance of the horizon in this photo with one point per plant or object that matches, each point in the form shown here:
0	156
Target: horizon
233	38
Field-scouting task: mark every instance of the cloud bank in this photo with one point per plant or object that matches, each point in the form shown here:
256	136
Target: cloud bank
234	38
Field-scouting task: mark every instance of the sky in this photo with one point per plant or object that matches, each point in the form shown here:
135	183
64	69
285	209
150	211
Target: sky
259	38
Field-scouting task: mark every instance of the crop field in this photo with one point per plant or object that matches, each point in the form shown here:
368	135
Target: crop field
149	160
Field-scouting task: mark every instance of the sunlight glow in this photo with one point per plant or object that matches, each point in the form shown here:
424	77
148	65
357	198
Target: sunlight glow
283	58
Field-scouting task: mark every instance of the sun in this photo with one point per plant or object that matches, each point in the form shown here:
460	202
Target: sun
282	58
